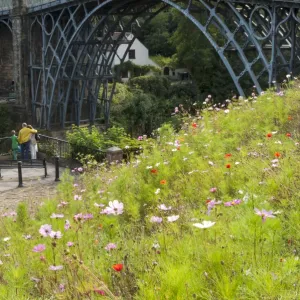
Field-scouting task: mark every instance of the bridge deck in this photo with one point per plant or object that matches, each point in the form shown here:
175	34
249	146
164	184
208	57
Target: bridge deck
39	5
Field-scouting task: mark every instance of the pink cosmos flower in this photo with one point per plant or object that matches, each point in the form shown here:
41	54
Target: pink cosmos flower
80	170
78	217
57	216
55	235
213	190
87	216
264	214
39	248
156	219
55	268
45	230
77	197
62	204
164	207
70	244
173	218
100	292
233	203
61	287
67	225
115	208
110	246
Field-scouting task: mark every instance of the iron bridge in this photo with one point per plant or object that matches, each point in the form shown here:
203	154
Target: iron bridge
63	50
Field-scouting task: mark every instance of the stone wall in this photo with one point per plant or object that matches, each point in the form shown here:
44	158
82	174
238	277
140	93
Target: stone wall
6	60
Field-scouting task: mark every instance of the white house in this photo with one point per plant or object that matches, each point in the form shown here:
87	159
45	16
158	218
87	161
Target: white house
138	54
181	74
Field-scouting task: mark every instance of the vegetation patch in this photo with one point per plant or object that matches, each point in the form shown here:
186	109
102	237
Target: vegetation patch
209	212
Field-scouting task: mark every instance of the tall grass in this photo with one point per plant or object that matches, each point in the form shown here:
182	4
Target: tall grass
249	154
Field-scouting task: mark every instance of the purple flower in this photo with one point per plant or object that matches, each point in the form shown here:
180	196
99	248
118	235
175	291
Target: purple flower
70	244
87	216
156	219
39	248
57	216
80	170
45	230
233	203
110	246
211	204
55	268
67	225
264	214
55	235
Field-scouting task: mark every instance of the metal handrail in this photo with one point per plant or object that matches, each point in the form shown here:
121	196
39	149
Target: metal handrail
62	148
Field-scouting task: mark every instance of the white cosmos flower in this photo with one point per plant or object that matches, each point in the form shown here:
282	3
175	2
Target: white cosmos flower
149	167
6	239
164	207
204	224
157	192
173	218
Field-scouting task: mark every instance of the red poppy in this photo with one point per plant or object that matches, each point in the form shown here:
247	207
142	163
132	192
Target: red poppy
228	166
277	154
288	135
207	201
154	171
118	267
228	155
178	148
163	181
290	118
269	135
194	125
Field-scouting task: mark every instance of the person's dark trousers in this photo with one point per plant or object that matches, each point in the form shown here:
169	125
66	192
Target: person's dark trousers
25	150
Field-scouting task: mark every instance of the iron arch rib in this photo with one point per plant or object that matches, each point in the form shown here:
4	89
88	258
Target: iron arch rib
79	48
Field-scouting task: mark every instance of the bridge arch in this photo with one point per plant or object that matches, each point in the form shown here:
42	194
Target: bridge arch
80	44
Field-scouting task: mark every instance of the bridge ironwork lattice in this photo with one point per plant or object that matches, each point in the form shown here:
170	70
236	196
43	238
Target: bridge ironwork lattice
73	45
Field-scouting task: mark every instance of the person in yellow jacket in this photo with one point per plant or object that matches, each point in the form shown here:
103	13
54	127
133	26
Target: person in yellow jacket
24	140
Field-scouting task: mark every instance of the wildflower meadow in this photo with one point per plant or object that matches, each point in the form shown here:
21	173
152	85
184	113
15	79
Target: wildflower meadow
209	212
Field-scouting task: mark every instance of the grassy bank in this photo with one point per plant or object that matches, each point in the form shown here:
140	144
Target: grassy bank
210	212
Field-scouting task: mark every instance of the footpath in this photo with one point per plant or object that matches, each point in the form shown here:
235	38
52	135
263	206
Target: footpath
36	187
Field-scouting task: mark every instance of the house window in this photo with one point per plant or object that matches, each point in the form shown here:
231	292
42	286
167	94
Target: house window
131	54
166	71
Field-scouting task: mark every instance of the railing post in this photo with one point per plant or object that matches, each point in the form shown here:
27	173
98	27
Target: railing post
20	174
45	167
57	168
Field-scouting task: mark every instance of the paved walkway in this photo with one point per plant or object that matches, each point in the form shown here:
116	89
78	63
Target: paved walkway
36	187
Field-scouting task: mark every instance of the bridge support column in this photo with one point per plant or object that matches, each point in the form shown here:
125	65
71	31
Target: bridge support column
20	55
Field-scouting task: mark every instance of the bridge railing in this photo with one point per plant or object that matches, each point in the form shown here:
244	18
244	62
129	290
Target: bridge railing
57	147
5	4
